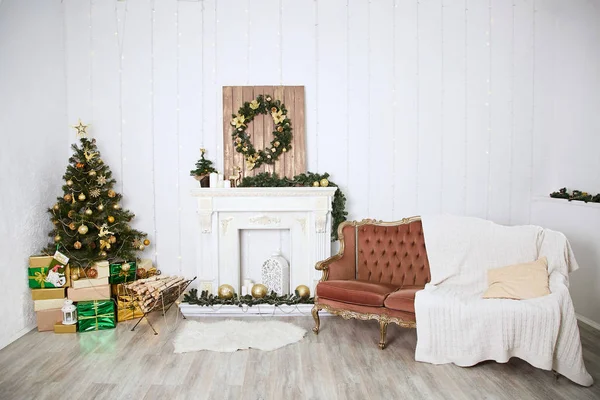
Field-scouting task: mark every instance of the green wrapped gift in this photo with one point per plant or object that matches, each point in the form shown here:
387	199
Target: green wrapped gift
47	277
119	274
95	315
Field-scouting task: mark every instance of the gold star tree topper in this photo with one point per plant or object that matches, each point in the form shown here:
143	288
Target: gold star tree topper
81	129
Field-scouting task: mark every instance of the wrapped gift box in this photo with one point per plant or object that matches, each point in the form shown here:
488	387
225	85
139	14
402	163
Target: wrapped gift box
89	293
117	275
40	305
47	318
89	283
46	272
127	309
48	294
95	315
60	328
103	269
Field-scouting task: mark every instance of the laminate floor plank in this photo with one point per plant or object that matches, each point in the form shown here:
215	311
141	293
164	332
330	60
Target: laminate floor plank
342	362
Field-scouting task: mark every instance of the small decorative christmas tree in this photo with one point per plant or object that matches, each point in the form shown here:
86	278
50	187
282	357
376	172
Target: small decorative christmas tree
203	168
89	223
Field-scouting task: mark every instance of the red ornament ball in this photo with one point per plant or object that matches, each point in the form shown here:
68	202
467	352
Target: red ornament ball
91	273
141	273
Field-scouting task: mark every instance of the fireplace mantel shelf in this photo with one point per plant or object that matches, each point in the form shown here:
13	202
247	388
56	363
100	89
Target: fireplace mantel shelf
264	192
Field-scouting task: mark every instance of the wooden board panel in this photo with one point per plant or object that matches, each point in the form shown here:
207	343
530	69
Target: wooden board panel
261	129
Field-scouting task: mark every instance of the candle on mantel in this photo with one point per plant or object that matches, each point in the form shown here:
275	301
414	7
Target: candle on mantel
220	181
226	184
213	179
244	291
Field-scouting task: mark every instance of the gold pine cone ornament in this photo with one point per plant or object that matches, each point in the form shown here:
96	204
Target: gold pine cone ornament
226	292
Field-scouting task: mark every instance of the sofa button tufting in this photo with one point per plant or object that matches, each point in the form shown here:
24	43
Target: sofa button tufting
406	254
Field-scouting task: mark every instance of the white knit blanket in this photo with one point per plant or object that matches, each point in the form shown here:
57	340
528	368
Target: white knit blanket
455	325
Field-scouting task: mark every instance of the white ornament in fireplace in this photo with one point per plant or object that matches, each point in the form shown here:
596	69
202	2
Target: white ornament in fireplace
275	274
224	213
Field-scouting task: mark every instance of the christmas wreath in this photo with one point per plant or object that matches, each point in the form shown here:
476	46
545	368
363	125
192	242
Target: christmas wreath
282	135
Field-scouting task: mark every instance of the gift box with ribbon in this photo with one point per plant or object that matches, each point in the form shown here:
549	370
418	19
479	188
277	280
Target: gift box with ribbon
124	272
127	309
95	315
46	272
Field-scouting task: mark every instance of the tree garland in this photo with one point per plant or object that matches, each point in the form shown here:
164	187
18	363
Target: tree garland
338	209
282	135
577	195
208	300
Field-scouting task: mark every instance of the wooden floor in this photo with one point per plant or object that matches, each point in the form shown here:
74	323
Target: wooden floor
342	362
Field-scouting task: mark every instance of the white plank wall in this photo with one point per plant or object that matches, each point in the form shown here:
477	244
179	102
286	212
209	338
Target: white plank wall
412	106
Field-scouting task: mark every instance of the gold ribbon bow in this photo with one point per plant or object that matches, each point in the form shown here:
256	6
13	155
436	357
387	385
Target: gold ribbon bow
40	277
104	243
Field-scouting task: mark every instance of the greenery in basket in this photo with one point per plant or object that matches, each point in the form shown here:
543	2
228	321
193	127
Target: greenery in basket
209	300
576	195
203	166
338	209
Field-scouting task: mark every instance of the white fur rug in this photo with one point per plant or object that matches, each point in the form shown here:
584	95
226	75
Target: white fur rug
231	335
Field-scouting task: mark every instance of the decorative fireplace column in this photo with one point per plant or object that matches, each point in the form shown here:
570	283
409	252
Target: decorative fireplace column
222	213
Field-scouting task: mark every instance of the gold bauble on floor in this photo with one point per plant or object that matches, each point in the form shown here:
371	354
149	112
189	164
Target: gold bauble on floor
259	291
303	291
226	292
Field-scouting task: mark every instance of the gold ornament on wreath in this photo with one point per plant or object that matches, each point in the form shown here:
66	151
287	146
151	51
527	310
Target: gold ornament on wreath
282	133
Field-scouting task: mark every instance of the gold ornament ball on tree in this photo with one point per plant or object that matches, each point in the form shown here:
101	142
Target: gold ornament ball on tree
102	254
112	239
68	197
69	183
56	207
77	245
116	206
57	238
92	173
146	242
111	219
316	183
141	273
74	277
101	207
88	212
111	193
83	229
259	291
284	149
71	214
125	267
142	247
303	291
226	292
81	197
72	226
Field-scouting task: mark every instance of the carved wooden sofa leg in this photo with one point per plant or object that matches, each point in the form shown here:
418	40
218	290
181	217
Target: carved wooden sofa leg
382	330
315	314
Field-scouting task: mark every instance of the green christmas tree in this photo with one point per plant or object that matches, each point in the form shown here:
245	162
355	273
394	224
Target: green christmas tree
89	223
203	166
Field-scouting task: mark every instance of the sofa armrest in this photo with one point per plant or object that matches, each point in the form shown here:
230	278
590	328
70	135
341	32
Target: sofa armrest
336	267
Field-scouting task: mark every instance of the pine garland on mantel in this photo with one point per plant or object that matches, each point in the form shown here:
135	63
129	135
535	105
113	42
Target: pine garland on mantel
338	205
209	300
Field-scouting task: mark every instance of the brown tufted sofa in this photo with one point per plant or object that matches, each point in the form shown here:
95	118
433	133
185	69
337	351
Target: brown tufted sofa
376	274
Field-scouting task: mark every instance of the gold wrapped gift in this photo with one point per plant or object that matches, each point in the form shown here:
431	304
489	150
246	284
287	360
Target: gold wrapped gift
127	309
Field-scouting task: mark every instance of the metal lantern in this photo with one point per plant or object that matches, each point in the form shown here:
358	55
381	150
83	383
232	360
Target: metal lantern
69	312
275	274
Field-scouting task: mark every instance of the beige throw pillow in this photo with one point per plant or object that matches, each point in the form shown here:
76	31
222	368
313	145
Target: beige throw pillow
519	282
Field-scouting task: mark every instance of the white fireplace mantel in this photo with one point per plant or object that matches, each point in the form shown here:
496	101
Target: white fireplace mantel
223	213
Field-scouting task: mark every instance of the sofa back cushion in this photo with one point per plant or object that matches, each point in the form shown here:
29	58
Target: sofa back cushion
393	254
